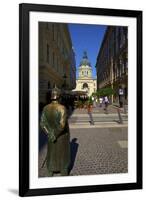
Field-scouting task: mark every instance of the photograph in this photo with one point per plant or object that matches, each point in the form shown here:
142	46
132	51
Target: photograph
83	99
80	115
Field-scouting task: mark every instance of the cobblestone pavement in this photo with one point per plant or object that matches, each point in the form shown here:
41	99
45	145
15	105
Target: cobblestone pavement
95	151
100	151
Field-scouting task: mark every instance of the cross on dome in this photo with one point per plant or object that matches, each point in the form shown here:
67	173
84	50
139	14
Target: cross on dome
85	55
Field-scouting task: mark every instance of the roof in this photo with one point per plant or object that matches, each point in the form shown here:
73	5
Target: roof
85	60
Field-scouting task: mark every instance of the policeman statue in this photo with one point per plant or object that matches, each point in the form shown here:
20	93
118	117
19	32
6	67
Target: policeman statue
54	123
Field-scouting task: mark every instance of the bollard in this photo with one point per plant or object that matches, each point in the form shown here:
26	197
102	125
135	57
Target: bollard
120	117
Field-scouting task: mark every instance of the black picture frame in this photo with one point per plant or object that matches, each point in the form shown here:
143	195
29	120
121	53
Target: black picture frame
24	10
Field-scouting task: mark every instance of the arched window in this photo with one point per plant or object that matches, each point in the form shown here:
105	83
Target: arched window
85	85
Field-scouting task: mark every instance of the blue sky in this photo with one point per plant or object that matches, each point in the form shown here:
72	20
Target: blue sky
87	38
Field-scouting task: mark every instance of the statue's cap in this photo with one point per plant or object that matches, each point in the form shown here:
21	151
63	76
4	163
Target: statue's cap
55	93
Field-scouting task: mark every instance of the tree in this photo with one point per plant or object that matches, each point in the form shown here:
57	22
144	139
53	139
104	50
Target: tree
105	92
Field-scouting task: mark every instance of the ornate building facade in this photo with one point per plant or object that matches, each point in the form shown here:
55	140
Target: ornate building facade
85	82
112	61
56	58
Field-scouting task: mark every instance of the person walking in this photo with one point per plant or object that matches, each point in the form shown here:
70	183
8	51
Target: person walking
91	117
106	103
100	101
90	114
121	97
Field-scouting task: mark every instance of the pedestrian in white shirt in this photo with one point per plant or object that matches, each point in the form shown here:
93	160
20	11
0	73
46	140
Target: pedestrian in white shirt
100	101
106	103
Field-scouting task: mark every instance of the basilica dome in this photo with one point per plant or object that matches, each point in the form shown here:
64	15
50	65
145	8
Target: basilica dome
85	82
85	69
85	61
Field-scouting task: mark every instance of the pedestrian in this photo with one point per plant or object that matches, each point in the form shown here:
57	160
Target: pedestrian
106	103
121	96
55	125
96	102
90	114
100	101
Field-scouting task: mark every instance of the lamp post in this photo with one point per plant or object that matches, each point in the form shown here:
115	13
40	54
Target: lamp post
111	77
64	83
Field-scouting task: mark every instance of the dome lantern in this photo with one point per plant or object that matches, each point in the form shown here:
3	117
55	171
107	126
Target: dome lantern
85	60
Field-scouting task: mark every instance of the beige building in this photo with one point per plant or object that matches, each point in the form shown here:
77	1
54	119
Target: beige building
85	82
55	58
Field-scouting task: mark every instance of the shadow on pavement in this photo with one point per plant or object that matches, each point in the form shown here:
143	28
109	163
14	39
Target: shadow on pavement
74	148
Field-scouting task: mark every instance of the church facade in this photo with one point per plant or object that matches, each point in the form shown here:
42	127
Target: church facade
85	81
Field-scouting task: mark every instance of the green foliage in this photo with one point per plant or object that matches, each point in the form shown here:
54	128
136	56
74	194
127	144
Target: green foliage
90	101
105	92
79	104
94	94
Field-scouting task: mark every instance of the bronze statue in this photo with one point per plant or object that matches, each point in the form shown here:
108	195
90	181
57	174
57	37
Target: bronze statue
55	124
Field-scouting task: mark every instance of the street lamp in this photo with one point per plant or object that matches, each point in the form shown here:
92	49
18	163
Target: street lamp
64	84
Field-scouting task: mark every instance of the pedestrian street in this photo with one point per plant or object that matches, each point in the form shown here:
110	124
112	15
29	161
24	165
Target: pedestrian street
81	117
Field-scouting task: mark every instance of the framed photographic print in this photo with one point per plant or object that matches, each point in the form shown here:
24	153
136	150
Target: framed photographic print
80	99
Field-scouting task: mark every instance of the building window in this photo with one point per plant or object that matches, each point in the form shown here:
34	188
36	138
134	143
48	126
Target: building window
57	30
53	59
57	64
48	53
53	31
47	26
117	72
58	38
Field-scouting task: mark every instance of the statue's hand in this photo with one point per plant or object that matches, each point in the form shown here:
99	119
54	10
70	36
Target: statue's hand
52	138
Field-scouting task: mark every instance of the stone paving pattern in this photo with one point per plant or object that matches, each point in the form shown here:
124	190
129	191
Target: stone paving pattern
99	151
95	151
